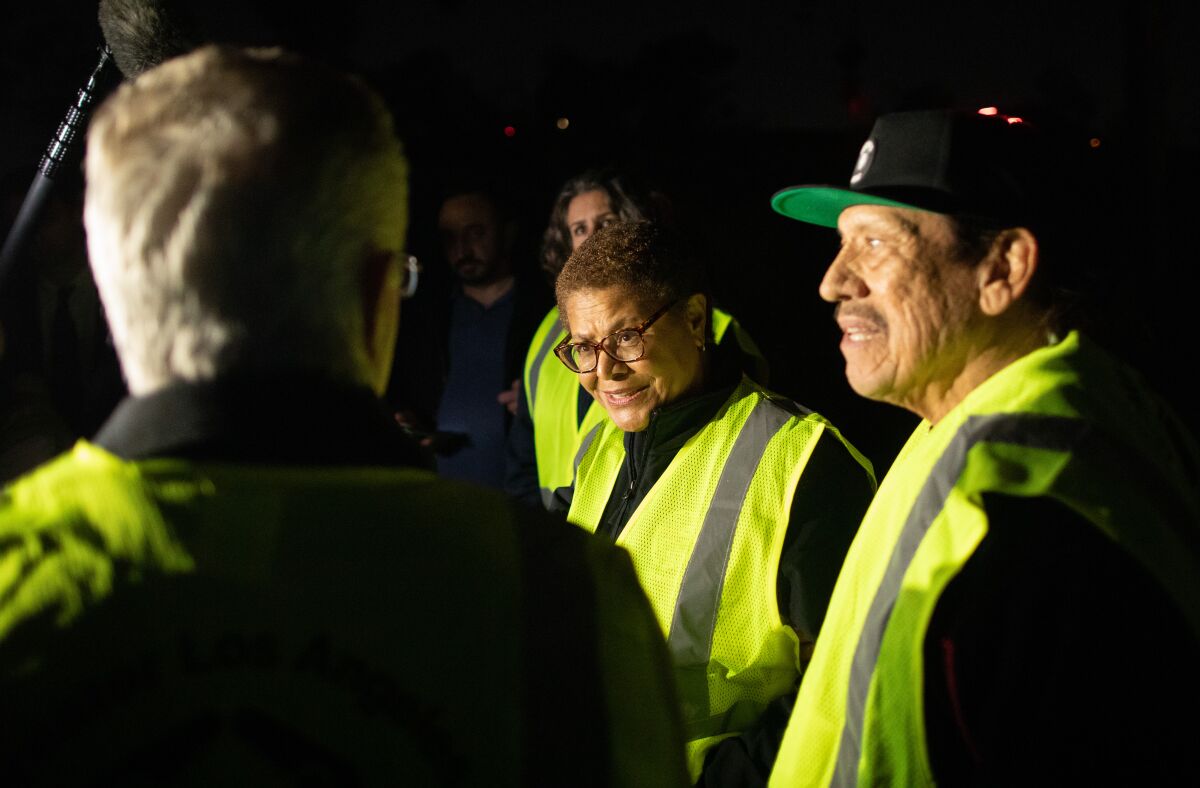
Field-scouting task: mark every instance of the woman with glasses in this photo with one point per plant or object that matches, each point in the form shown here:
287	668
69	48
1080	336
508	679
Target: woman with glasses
736	505
554	413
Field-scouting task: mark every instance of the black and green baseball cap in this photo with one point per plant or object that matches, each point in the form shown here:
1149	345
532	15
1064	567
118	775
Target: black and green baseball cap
989	167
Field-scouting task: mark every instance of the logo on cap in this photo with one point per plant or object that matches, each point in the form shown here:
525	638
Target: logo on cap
865	156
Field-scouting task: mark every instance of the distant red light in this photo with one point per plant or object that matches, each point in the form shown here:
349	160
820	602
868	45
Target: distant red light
1014	120
1094	142
510	131
989	111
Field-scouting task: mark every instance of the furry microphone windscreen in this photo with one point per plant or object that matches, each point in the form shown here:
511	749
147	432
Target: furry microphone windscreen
144	33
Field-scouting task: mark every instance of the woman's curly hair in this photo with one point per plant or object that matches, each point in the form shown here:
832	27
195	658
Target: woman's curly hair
628	200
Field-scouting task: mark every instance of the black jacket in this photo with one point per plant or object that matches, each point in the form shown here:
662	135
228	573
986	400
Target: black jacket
1052	643
422	360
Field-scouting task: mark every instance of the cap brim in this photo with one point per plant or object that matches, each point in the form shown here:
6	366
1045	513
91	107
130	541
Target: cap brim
824	204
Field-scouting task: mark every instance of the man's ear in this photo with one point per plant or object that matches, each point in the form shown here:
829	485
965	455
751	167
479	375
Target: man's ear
1007	271
697	318
380	293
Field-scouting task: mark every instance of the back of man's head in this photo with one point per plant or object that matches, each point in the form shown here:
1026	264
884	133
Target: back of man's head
234	198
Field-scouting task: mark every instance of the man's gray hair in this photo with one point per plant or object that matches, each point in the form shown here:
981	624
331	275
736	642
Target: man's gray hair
233	197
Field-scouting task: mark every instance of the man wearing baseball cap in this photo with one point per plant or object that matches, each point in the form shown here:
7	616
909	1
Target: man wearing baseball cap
1021	604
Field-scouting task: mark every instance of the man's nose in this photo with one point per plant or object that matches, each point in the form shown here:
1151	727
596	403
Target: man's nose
840	283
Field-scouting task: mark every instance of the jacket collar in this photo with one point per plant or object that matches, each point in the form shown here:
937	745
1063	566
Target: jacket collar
289	419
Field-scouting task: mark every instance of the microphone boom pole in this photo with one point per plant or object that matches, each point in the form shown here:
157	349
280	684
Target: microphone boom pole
61	146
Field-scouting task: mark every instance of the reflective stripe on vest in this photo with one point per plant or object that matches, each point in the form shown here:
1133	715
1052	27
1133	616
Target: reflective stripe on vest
1042	432
585	445
695	620
540	358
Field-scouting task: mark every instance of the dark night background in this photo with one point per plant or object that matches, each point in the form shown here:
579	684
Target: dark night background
721	108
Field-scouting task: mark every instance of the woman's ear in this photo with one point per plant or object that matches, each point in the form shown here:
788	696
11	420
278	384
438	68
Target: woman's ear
1008	269
697	318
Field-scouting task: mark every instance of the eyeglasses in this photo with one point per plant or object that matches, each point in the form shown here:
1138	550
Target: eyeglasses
625	346
412	270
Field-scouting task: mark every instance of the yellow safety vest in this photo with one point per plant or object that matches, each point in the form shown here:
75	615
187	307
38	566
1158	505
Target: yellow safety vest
552	393
309	611
1065	422
706	542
